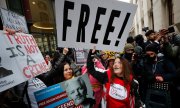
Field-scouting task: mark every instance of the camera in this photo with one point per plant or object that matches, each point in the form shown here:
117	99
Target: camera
145	29
171	29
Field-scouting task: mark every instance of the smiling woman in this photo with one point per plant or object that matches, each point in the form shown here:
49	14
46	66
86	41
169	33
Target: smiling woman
117	81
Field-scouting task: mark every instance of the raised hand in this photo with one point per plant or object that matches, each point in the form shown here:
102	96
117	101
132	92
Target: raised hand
65	51
94	49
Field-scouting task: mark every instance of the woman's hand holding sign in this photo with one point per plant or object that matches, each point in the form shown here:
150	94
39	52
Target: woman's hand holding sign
9	31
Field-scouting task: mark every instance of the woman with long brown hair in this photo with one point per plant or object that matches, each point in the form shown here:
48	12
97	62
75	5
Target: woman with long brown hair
117	81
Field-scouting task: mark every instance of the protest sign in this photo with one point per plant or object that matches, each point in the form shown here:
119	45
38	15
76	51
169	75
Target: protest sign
73	93
81	56
21	59
13	20
87	23
112	54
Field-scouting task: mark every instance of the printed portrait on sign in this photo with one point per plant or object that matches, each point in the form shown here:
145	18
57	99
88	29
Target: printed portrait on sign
77	91
3	71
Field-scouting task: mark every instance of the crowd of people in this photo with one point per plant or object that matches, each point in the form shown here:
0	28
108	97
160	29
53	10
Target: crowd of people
127	80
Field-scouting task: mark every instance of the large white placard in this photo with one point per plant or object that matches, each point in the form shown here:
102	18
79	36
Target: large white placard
87	23
13	20
20	59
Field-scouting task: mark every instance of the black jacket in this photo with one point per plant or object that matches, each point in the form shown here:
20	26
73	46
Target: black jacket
162	67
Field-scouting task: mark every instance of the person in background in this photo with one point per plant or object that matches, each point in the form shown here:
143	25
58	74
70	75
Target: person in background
37	83
154	37
139	40
128	52
150	35
171	49
49	78
130	40
96	85
158	70
68	58
110	62
104	57
155	66
65	72
48	61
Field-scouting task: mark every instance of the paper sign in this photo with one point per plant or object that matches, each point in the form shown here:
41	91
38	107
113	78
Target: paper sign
20	59
81	56
13	20
87	23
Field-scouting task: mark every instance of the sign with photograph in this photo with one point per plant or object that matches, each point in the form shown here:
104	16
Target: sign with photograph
87	23
13	20
73	93
81	56
20	59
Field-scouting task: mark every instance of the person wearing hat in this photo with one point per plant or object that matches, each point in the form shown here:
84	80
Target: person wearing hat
128	52
139	40
156	69
110	62
151	52
104	57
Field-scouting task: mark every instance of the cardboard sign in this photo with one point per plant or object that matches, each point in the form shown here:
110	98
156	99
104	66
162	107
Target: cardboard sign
20	59
73	93
87	23
81	56
112	54
13	20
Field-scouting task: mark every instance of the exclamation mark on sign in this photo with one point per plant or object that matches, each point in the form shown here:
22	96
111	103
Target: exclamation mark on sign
122	28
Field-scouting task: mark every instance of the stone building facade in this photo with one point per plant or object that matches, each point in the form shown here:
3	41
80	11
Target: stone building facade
155	14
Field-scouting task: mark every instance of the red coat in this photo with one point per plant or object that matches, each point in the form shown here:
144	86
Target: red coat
117	94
